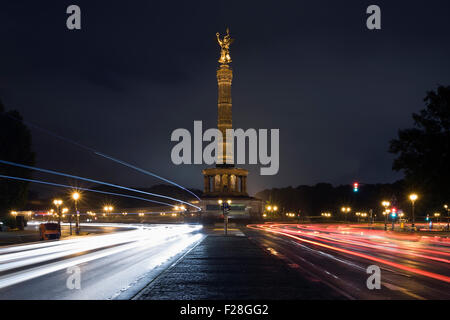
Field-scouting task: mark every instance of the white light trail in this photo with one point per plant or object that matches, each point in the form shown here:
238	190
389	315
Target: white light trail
145	236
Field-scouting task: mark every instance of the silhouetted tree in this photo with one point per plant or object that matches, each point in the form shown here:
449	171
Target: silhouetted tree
423	152
15	146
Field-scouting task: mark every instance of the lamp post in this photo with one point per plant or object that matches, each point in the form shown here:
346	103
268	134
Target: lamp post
108	209
448	217
413	197
385	204
225	209
64	210
326	214
76	197
272	209
385	213
345	210
183	211
269	208
58	203
437	215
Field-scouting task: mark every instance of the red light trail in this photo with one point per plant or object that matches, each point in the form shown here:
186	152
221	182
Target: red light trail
332	237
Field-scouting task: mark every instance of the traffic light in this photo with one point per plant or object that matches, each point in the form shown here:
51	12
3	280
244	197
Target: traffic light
394	212
355	187
427	218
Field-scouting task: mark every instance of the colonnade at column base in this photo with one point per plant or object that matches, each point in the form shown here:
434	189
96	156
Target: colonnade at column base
225	182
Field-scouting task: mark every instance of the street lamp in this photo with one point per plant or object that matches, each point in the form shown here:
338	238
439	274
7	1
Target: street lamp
385	214
226	207
108	209
58	203
345	210
413	197
271	208
448	217
385	204
76	197
437	215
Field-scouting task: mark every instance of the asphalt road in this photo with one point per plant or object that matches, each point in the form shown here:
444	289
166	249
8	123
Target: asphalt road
412	267
114	265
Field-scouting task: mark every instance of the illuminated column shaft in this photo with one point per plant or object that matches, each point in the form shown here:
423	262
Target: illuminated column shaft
224	78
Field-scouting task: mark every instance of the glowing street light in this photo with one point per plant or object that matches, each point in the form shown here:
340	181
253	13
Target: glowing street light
272	208
345	210
108	209
385	204
361	215
448	216
226	207
437	215
413	197
58	203
76	196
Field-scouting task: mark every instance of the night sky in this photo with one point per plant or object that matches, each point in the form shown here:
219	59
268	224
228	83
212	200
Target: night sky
137	70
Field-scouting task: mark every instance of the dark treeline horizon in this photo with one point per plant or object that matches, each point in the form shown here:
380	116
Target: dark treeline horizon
324	197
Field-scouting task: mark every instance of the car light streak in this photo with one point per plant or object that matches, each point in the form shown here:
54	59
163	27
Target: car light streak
97	181
58	136
82	250
285	231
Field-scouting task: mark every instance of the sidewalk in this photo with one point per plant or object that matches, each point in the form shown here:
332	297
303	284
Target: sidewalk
18	237
222	268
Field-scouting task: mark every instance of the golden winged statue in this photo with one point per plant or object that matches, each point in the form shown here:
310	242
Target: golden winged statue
224	44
